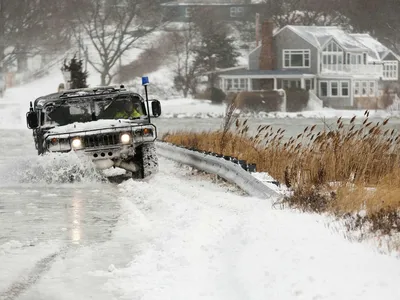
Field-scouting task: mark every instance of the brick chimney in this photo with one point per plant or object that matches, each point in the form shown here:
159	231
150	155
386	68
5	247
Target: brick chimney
267	56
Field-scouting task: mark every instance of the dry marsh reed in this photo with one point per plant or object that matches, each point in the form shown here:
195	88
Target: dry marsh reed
350	168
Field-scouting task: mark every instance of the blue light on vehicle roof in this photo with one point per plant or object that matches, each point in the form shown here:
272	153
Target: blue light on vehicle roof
145	80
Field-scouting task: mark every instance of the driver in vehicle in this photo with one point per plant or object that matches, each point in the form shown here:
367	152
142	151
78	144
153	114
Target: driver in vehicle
129	110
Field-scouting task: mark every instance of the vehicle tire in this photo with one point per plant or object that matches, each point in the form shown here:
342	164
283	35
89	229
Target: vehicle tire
40	148
146	158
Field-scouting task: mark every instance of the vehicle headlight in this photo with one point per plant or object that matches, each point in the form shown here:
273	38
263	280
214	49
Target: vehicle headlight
125	138
77	143
58	144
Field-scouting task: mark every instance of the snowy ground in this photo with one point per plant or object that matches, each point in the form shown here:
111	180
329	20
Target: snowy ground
172	237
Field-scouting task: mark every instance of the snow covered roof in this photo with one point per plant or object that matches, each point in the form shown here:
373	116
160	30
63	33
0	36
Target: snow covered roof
375	48
320	35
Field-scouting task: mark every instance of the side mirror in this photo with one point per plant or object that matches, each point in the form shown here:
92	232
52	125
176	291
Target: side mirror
32	120
156	108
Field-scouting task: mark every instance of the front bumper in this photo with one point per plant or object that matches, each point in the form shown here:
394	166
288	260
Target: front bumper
111	157
121	152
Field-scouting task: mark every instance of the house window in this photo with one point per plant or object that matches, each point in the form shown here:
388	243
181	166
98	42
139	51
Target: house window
286	84
236	12
291	84
296	58
323	88
372	88
356	88
243	84
309	84
228	84
344	88
334	88
236	84
332	57
332	47
355	59
364	86
188	12
390	70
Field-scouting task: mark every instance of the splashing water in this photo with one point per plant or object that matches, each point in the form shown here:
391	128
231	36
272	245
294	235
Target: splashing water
52	168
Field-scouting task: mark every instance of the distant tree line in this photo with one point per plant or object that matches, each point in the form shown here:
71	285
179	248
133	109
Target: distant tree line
28	27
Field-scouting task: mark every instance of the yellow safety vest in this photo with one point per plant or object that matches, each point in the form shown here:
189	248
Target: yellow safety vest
124	115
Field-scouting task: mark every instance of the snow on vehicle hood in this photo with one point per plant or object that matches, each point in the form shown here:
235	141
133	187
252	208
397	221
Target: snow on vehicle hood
94	125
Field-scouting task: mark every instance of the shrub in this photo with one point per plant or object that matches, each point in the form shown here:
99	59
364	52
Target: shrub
296	99
216	95
257	101
309	198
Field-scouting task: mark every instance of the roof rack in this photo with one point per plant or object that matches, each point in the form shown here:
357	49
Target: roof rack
98	90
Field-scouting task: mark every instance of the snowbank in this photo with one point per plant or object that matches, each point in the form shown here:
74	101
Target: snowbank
213	245
191	108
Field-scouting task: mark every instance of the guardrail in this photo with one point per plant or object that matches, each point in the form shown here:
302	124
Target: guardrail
228	170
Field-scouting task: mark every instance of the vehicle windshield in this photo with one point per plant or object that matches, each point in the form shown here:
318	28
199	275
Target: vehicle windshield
84	110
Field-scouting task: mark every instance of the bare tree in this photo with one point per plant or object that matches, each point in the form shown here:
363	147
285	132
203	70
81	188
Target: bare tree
150	60
18	21
304	12
200	47
113	27
379	18
186	68
29	27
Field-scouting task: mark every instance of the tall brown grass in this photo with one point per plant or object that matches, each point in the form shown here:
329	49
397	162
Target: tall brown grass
362	160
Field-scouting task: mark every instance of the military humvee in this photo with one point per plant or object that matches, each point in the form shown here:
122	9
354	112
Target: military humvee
98	123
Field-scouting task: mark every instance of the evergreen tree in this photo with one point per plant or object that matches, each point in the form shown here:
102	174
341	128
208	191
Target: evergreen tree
216	49
78	76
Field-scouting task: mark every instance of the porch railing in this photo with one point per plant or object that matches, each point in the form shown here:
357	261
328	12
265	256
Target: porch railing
354	69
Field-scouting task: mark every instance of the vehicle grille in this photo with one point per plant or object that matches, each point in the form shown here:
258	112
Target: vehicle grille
101	140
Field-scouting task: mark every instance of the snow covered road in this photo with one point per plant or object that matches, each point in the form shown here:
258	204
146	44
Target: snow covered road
176	236
179	237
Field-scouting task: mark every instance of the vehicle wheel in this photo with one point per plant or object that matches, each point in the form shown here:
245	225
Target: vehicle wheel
40	148
146	158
